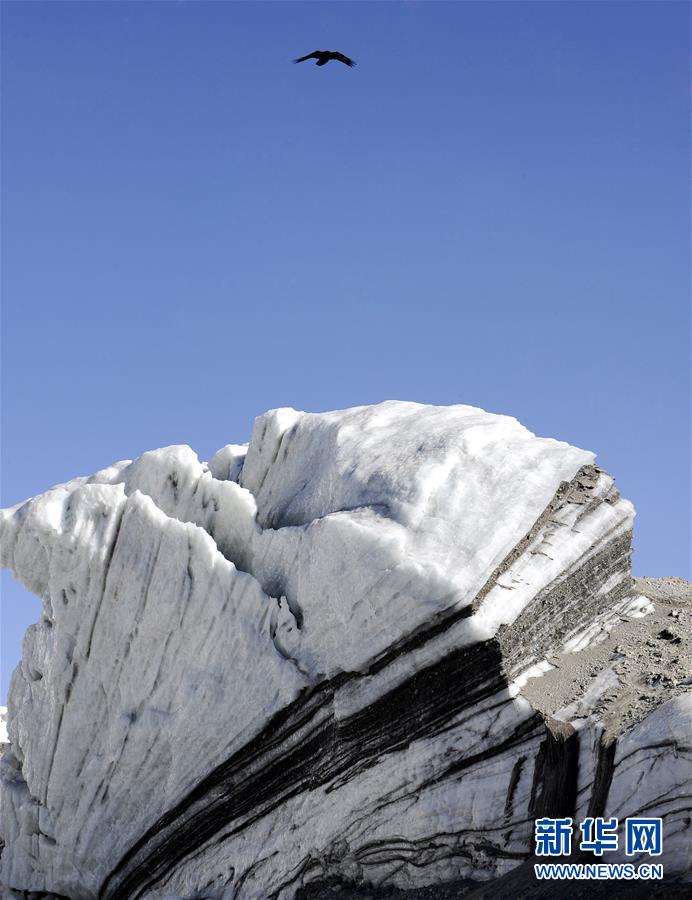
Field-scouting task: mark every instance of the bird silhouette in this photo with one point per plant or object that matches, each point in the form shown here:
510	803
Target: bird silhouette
323	57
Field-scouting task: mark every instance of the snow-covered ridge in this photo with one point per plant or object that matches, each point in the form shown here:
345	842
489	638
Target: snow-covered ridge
361	495
338	612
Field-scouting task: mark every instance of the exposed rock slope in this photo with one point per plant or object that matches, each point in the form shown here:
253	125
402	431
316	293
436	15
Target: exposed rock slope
310	658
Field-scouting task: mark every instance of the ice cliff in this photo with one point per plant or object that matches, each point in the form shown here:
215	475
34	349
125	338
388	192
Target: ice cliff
316	656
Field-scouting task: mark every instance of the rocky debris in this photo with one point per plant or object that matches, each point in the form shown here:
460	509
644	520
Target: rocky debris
668	591
315	660
639	664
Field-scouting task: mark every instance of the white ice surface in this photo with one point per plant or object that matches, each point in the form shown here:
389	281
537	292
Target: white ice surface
653	778
374	519
631	607
188	599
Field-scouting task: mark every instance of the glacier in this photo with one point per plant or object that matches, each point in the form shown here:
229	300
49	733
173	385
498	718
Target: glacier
371	645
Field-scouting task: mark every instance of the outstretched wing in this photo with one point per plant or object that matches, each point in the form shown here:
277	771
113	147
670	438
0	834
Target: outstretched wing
343	59
314	55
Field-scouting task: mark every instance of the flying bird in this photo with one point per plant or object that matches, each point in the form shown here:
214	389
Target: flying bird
323	57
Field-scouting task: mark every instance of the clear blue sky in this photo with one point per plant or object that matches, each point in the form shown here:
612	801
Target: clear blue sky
492	208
